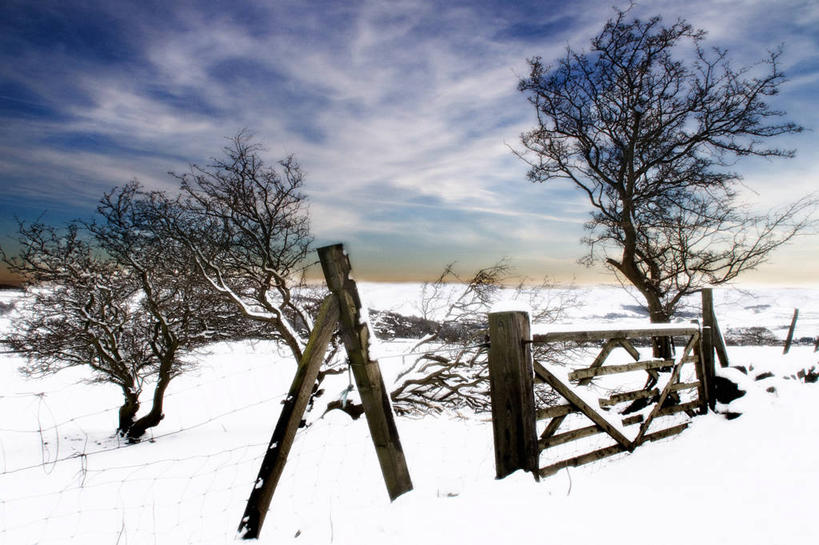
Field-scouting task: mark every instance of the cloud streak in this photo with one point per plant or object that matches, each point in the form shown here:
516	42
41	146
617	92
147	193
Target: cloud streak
402	113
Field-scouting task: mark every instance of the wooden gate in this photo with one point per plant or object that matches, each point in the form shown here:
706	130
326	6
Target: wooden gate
645	399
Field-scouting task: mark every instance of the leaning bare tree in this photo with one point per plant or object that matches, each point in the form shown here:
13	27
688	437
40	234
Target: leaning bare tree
78	313
100	296
160	275
245	225
648	136
179	313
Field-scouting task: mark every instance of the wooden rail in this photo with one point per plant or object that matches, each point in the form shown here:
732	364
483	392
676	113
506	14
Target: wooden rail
602	334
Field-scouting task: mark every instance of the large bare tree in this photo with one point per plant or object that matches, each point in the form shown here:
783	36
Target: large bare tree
647	125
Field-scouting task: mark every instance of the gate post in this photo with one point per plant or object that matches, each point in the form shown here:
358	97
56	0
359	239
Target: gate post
709	319
511	384
706	363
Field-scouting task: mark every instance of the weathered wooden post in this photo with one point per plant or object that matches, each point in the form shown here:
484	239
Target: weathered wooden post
789	340
374	396
511	382
295	404
708	369
342	307
709	319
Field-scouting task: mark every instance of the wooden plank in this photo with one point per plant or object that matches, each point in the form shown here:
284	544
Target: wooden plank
675	373
374	396
290	418
629	347
557	410
568	436
608	451
702	393
631	420
584	407
601	357
620	368
694	348
614	399
582	459
512	394
662	434
674	409
689	350
537	376
719	343
653	375
551	428
684	386
707	362
709	319
600	334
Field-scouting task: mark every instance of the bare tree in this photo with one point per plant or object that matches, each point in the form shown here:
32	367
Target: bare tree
108	295
160	275
181	313
648	137
246	227
79	312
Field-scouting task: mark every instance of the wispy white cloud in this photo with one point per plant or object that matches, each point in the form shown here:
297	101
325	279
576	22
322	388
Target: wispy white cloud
401	113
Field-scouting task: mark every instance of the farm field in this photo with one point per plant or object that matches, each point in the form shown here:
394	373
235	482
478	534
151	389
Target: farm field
66	478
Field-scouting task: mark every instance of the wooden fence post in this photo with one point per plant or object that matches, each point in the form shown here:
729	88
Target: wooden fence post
374	396
709	319
511	382
707	363
289	420
789	340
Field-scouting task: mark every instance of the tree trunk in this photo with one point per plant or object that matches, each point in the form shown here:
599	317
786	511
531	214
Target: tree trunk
155	416
661	347
128	411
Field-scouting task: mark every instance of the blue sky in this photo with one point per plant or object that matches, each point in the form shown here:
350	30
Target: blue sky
401	113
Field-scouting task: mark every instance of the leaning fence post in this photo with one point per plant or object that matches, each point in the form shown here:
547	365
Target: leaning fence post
284	433
789	340
511	383
375	398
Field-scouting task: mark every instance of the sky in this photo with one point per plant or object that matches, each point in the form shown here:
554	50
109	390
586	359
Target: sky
404	116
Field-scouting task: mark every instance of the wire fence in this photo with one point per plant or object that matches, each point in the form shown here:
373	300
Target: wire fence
66	477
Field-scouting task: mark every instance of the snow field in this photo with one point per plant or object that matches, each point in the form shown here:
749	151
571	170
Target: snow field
64	477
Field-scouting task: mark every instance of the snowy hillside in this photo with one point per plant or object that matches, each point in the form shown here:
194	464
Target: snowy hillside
65	477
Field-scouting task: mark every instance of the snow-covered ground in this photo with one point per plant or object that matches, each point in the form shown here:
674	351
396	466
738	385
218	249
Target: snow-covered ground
65	478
